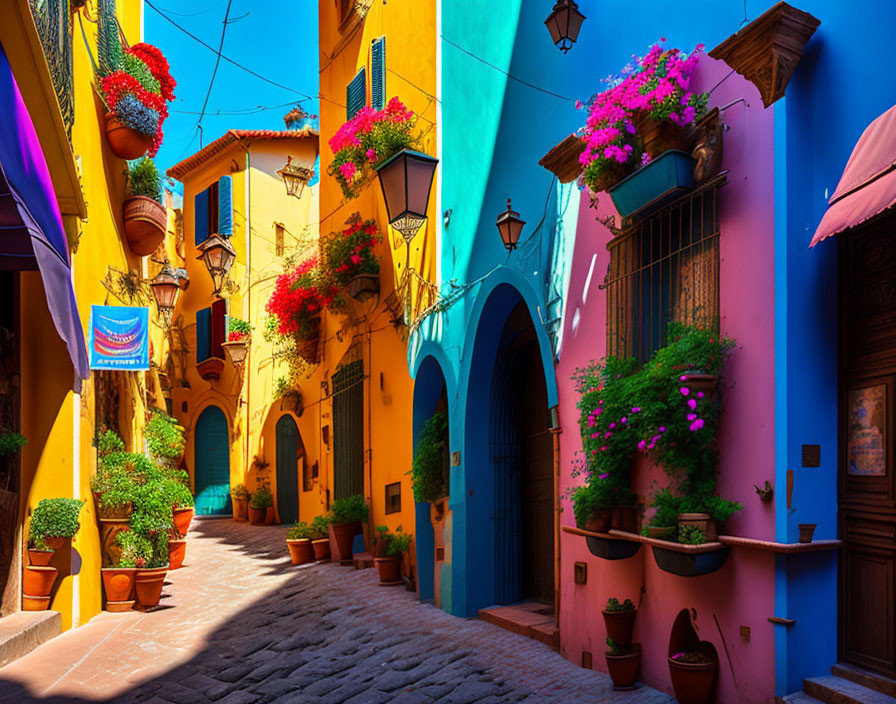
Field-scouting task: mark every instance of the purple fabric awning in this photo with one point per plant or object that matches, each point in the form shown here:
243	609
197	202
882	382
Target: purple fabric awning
31	232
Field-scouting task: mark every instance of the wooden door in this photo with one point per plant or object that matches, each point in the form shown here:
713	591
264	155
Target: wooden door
212	463
287	470
348	430
10	421
867	500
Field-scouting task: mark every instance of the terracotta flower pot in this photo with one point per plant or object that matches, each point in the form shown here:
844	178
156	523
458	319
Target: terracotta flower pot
300	551
257	516
697	381
693	682
177	551
389	569
270	516
624	518
661	532
807	530
182	519
35	603
307	347
125	142
363	286
240	509
118	583
624	669
40	558
145	224
109	530
148	586
703	521
343	535
620	625
38	581
599	522
321	549
54	542
114	512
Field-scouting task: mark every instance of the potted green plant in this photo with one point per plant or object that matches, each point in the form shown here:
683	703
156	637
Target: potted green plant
389	566
178	494
239	336
53	522
165	439
145	218
619	619
298	540
240	496
351	260
430	471
663	524
261	500
348	513
119	580
320	541
693	675
623	664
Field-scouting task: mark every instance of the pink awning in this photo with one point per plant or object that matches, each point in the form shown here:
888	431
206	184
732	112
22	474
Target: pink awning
868	184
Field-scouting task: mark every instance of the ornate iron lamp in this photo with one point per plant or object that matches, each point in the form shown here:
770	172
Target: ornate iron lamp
564	24
510	226
406	180
237	351
219	256
295	177
165	289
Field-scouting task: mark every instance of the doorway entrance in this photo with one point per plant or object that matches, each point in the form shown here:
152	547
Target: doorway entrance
9	423
348	430
289	451
212	463
521	456
867	495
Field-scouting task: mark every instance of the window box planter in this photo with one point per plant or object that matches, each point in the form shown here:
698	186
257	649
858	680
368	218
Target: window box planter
697	381
307	347
126	142
691	563
145	224
210	369
701	521
363	287
658	182
605	546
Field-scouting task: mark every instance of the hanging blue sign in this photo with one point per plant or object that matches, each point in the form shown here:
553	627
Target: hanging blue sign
119	338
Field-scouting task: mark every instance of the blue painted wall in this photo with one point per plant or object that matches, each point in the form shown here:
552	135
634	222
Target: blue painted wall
494	131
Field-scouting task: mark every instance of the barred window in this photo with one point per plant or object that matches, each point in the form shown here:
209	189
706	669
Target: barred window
664	268
393	497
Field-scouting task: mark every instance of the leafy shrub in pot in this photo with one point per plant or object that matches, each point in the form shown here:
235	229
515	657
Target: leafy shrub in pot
429	473
619	619
54	521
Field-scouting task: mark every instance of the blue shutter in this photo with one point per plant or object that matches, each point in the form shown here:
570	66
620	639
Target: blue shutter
200	216
356	94
225	206
203	334
378	74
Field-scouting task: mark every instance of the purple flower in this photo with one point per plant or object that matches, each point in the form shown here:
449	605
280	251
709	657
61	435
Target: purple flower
662	428
684	390
623	420
641	445
636	409
692	416
692	403
603	448
612	425
604	475
699	394
696	425
682	378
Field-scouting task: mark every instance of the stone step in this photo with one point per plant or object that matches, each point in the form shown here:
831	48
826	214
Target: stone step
836	690
529	619
362	560
797	698
859	675
22	632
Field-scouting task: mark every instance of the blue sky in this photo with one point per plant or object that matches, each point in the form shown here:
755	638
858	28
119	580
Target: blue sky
274	38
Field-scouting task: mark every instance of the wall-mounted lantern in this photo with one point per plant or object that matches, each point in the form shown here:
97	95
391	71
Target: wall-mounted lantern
237	351
165	289
219	256
510	226
295	177
406	180
564	24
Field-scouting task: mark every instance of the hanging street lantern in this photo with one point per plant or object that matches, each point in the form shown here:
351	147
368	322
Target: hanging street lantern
295	177
406	180
237	351
510	226
165	289
219	256
564	24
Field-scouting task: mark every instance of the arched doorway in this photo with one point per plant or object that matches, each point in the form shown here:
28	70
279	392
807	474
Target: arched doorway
289	450
521	459
212	463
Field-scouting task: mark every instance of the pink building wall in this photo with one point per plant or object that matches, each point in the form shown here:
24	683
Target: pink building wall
742	592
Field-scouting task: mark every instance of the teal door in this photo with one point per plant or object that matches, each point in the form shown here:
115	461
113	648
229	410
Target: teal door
348	430
287	470
212	463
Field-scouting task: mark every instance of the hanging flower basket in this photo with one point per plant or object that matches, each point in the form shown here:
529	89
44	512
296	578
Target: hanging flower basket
363	287
655	184
145	224
308	347
126	142
210	369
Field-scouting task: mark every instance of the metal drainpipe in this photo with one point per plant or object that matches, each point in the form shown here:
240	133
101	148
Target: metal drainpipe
248	363
369	437
555	433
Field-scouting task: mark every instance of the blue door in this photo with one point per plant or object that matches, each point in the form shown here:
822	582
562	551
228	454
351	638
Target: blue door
287	470
212	463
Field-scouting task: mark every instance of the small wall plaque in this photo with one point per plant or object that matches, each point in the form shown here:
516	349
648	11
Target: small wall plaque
586	659
455	458
811	455
581	573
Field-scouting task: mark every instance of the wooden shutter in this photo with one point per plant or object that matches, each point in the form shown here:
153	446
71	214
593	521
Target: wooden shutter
203	334
378	74
348	430
218	328
200	216
356	94
225	206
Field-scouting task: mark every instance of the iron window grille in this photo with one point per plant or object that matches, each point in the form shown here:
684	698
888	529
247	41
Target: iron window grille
393	498
664	268
53	21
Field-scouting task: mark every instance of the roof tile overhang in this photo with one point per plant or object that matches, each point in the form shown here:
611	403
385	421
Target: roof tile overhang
563	159
237	137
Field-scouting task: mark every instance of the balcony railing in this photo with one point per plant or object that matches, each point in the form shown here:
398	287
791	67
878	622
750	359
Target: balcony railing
53	21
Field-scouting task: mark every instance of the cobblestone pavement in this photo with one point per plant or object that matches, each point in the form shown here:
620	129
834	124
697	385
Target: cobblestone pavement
239	624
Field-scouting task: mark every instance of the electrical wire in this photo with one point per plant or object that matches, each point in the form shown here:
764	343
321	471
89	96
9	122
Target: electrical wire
241	111
193	14
211	83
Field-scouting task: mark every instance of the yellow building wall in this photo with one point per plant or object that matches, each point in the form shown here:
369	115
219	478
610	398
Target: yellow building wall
59	459
410	30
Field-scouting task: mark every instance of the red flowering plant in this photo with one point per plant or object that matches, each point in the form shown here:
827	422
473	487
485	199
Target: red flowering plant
369	139
351	252
655	86
139	89
298	299
238	330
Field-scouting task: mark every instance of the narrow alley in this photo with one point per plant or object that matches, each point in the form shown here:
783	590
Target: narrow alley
240	624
